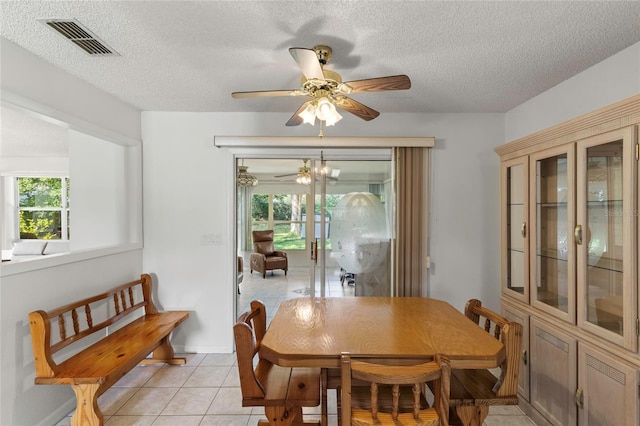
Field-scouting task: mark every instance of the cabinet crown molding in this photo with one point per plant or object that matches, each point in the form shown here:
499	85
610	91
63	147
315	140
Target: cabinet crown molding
611	117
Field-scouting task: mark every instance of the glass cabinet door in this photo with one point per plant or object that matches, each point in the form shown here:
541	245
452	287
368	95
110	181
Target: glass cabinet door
606	203
515	271
552	219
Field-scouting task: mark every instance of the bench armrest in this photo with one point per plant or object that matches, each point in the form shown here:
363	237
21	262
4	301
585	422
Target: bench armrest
41	341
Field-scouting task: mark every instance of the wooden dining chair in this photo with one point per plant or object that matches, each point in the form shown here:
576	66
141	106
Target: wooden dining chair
472	390
388	384
282	391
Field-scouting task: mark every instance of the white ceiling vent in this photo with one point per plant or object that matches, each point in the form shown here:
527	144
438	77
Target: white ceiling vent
75	32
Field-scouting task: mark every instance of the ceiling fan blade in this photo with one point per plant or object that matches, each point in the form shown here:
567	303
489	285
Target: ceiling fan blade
308	62
295	119
267	93
393	82
356	108
287	175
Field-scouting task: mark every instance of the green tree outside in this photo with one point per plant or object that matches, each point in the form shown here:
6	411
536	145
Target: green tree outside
288	209
44	193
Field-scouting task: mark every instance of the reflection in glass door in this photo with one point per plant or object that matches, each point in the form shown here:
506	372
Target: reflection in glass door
351	251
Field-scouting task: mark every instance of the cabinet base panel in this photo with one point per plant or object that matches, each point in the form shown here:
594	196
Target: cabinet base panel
533	414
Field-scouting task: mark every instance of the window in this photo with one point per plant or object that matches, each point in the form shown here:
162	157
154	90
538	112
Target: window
282	213
286	214
43	208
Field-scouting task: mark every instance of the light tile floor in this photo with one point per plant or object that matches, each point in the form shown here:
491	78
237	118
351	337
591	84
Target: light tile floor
206	391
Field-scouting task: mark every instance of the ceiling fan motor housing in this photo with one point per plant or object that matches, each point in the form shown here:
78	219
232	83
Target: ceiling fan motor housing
323	52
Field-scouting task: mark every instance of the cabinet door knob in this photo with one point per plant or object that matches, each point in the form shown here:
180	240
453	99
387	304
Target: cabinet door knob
578	234
580	398
524	357
523	229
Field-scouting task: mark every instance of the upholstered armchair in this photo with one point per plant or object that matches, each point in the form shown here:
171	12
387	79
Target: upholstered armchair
240	271
264	258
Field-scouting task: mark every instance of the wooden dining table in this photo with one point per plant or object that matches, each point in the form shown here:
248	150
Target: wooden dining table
313	332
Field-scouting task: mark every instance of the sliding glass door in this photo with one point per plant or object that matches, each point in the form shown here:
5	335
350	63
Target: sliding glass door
331	211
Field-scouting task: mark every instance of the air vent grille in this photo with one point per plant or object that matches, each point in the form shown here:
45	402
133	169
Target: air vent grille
80	36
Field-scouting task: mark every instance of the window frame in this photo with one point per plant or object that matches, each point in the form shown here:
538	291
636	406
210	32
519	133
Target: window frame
64	209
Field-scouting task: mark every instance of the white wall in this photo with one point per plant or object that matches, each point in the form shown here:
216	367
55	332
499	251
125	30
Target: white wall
98	192
188	192
465	219
29	82
614	79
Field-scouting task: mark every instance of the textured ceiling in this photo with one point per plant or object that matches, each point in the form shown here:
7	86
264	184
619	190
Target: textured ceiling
461	56
23	135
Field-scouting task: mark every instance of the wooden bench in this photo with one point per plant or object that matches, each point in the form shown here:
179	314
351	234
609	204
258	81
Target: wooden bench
473	391
112	332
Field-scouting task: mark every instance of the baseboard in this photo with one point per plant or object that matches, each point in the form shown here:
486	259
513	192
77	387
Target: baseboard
59	413
189	349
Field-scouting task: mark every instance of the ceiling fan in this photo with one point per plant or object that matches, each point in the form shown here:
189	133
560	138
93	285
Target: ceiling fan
327	90
303	175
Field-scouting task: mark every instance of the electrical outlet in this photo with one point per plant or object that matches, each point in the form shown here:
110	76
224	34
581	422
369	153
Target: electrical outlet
211	239
207	239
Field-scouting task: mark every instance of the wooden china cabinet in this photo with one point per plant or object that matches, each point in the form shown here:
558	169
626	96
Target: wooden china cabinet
570	227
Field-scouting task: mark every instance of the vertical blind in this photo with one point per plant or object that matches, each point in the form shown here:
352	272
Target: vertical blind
409	264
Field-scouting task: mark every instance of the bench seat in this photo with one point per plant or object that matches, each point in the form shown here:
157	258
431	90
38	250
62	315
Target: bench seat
112	357
285	385
474	387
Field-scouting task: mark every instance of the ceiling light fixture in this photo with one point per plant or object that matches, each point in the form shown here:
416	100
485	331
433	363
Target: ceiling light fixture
323	109
245	179
304	174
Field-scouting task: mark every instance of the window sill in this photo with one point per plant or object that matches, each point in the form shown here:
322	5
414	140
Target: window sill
15	267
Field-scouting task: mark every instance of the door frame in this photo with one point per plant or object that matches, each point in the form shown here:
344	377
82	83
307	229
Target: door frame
362	148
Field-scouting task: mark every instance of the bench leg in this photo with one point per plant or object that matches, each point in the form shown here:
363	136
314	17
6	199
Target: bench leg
87	412
281	416
339	404
164	354
472	415
324	409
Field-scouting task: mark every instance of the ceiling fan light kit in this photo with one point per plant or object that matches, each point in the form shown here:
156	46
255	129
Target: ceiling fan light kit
304	173
244	178
327	89
303	180
322	109
308	114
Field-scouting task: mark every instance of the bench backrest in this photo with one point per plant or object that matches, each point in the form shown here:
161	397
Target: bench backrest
510	334
248	332
83	318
